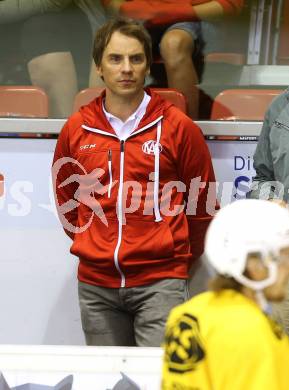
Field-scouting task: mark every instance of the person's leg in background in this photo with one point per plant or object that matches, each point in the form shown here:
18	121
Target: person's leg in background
56	74
57	56
183	48
177	47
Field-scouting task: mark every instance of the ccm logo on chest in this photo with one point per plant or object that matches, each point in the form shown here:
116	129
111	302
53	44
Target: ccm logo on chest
149	147
89	146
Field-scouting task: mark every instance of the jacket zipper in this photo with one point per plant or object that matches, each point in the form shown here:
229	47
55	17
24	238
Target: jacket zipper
109	157
120	189
158	217
120	214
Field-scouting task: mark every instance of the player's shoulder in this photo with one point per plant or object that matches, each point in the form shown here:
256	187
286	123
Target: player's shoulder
192	307
221	309
239	316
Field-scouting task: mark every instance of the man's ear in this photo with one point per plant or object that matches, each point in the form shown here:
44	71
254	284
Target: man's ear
98	70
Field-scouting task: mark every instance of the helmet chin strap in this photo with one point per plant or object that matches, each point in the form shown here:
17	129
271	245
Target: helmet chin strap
259	285
263	302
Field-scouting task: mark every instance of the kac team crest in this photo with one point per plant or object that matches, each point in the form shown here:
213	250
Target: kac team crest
149	147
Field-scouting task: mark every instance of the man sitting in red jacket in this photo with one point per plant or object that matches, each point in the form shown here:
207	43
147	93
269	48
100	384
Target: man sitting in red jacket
181	28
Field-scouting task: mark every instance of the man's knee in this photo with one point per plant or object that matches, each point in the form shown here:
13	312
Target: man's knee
176	46
50	67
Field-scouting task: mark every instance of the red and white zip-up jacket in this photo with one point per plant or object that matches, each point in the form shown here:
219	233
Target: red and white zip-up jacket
97	178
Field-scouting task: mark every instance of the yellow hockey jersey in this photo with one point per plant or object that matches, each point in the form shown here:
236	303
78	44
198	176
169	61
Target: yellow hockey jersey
223	341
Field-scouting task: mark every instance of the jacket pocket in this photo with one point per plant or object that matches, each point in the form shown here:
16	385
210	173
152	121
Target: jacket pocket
97	241
146	240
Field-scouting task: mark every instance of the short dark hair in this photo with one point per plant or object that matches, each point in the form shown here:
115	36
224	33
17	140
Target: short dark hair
125	26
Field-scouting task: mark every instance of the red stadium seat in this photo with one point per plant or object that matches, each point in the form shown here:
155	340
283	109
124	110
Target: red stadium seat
172	95
243	104
85	96
23	101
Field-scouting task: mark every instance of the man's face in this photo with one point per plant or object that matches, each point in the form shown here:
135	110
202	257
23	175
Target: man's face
123	66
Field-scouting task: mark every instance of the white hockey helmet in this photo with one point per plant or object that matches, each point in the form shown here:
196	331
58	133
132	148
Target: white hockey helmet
244	227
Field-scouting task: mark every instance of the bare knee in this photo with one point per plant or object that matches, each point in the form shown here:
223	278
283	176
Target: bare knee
56	74
48	68
176	47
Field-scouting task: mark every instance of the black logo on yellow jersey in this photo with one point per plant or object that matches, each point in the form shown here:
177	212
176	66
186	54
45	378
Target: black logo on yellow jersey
183	346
